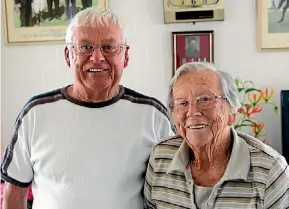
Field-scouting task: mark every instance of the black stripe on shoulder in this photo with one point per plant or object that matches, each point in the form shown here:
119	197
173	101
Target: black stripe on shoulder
137	97
48	97
15	182
43	98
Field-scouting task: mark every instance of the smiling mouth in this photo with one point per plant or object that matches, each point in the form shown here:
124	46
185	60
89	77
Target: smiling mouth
199	126
96	70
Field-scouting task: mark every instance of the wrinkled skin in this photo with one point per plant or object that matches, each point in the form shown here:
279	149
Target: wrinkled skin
100	86
210	145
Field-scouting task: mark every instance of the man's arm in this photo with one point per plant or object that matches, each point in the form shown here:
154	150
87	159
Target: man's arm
14	197
277	187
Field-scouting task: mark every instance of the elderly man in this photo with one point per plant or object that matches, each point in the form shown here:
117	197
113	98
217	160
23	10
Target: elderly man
85	145
209	164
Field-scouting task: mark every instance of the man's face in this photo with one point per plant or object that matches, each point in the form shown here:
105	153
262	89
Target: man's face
198	126
96	71
193	43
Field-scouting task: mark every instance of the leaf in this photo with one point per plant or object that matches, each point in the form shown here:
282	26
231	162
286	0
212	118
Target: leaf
241	125
240	89
250	121
250	82
251	89
276	109
243	104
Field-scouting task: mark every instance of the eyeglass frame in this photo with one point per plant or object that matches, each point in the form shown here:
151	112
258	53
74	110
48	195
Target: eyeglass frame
96	46
195	102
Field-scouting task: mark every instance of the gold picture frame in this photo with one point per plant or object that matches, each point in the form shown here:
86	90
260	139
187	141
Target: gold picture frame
49	29
273	33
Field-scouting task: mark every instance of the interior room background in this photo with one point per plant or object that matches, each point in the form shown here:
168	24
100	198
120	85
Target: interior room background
33	69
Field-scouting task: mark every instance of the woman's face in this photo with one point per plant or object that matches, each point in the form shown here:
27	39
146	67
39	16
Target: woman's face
200	123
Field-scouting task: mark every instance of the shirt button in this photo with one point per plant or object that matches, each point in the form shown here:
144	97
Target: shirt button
210	203
215	193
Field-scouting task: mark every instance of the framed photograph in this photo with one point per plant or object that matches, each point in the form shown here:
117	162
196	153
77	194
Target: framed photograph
273	25
192	46
41	21
285	122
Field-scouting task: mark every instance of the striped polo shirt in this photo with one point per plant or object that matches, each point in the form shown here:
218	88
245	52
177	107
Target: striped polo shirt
256	177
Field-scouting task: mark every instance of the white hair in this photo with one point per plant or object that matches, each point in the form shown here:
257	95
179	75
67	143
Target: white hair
92	16
229	88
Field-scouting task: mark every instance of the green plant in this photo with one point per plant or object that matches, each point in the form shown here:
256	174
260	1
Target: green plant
252	102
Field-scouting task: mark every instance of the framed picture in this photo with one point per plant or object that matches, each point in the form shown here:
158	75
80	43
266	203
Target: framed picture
192	46
285	122
41	21
273	25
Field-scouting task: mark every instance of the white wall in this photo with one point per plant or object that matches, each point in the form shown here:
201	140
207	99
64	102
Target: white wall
29	70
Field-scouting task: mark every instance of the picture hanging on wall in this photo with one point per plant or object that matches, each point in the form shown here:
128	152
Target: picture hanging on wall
192	46
273	25
41	21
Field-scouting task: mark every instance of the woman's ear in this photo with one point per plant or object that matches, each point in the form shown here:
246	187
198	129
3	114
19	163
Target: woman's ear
66	56
232	119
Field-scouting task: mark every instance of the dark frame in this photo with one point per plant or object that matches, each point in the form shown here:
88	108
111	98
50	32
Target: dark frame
180	45
285	122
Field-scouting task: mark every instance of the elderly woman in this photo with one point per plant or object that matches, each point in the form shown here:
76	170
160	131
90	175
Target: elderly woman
209	164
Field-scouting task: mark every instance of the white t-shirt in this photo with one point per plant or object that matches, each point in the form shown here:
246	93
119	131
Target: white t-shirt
85	155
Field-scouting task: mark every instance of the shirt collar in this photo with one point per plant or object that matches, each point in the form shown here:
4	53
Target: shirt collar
238	166
181	158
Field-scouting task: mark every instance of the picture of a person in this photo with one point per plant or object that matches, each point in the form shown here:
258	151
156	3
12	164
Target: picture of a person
25	8
286	6
70	9
56	5
192	46
38	9
86	3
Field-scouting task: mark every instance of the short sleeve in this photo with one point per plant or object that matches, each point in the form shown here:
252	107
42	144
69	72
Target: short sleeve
164	127
16	167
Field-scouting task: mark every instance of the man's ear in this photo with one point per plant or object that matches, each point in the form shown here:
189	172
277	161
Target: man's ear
66	55
126	57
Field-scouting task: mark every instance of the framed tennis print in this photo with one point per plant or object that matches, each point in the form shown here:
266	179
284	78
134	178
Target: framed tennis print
41	21
192	46
273	25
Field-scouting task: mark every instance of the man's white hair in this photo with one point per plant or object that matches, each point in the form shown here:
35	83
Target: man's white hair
92	16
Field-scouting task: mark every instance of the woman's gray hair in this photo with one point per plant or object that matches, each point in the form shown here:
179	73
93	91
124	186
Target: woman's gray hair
92	16
228	85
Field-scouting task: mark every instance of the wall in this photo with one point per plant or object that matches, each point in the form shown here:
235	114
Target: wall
29	70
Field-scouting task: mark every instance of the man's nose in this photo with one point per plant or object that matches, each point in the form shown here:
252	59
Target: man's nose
97	55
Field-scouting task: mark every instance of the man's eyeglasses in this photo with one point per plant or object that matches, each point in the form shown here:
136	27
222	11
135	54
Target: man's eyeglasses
203	102
106	49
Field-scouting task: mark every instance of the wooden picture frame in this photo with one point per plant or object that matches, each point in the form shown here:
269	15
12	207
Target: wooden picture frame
34	23
273	32
192	46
